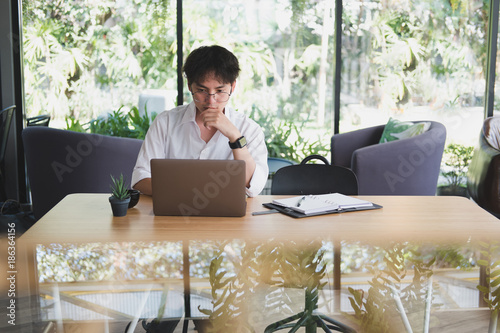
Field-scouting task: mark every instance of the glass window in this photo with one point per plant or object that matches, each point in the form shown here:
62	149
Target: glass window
404	59
285	49
87	58
414	60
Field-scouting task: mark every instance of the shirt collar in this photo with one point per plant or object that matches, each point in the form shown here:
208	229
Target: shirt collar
190	114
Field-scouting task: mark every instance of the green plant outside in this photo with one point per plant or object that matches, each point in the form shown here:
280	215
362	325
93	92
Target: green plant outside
284	138
84	58
118	123
270	266
491	288
261	273
456	160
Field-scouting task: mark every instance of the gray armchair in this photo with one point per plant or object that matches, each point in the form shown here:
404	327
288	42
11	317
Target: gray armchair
61	162
402	167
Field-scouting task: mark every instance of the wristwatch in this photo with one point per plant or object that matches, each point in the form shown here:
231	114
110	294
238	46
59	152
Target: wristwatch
239	143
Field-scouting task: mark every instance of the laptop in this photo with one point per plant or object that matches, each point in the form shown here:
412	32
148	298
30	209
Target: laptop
184	187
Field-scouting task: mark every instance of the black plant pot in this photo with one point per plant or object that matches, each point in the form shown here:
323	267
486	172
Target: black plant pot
119	207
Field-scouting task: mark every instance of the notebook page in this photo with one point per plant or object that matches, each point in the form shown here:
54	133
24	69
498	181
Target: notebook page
345	201
308	204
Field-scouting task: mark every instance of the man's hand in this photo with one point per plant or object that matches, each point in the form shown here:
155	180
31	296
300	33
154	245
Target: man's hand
214	118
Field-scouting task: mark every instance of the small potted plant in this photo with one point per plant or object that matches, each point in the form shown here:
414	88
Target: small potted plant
120	197
456	159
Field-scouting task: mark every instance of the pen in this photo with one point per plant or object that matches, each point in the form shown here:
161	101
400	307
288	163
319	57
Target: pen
300	201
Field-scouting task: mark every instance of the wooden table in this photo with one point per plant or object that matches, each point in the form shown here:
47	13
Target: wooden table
84	217
87	218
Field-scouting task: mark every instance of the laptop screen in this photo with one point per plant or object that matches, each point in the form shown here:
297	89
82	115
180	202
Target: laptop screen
186	187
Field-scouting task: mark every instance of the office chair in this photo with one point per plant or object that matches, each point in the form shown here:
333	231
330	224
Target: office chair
306	178
274	164
42	120
6	116
301	179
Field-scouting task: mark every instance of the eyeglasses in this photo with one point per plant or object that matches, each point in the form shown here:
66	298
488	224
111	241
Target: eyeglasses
203	96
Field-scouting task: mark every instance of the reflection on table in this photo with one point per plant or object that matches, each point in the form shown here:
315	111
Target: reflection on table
253	284
245	284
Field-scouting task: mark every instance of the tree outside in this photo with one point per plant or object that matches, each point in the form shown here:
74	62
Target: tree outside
406	59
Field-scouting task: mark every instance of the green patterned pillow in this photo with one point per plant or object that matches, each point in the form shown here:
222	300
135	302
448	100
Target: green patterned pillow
396	130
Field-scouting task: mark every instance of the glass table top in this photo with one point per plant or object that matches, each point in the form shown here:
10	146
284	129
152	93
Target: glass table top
247	286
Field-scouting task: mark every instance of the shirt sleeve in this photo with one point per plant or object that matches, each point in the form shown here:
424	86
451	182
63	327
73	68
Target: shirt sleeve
152	147
258	150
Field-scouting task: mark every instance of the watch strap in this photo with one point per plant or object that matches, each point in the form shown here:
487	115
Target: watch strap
239	143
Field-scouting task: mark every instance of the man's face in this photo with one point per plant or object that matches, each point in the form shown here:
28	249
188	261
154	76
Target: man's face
211	93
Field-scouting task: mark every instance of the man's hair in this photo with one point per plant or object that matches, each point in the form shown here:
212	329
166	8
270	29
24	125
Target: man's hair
207	60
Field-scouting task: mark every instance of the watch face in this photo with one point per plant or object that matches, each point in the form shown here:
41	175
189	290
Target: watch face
242	142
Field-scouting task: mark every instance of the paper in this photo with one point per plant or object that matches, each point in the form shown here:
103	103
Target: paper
311	204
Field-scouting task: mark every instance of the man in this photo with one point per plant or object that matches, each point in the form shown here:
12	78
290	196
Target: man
206	128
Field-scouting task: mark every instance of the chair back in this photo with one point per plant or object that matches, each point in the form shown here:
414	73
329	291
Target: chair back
61	162
483	175
42	120
274	164
6	116
306	178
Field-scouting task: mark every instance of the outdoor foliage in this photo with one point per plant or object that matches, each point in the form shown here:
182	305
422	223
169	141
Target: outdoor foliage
117	123
286	138
85	58
456	160
404	53
273	267
491	287
374	311
253	281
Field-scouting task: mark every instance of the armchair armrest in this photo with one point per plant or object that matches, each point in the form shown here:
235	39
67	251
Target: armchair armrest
343	145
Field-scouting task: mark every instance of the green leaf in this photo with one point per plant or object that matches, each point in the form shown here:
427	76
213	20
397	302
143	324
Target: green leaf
355	306
205	311
496	293
483	263
118	188
495	273
483	289
495	283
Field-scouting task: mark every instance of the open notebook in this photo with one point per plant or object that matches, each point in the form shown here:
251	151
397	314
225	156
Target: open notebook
310	205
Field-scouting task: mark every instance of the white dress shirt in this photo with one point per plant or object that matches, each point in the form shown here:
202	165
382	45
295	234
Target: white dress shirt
174	134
